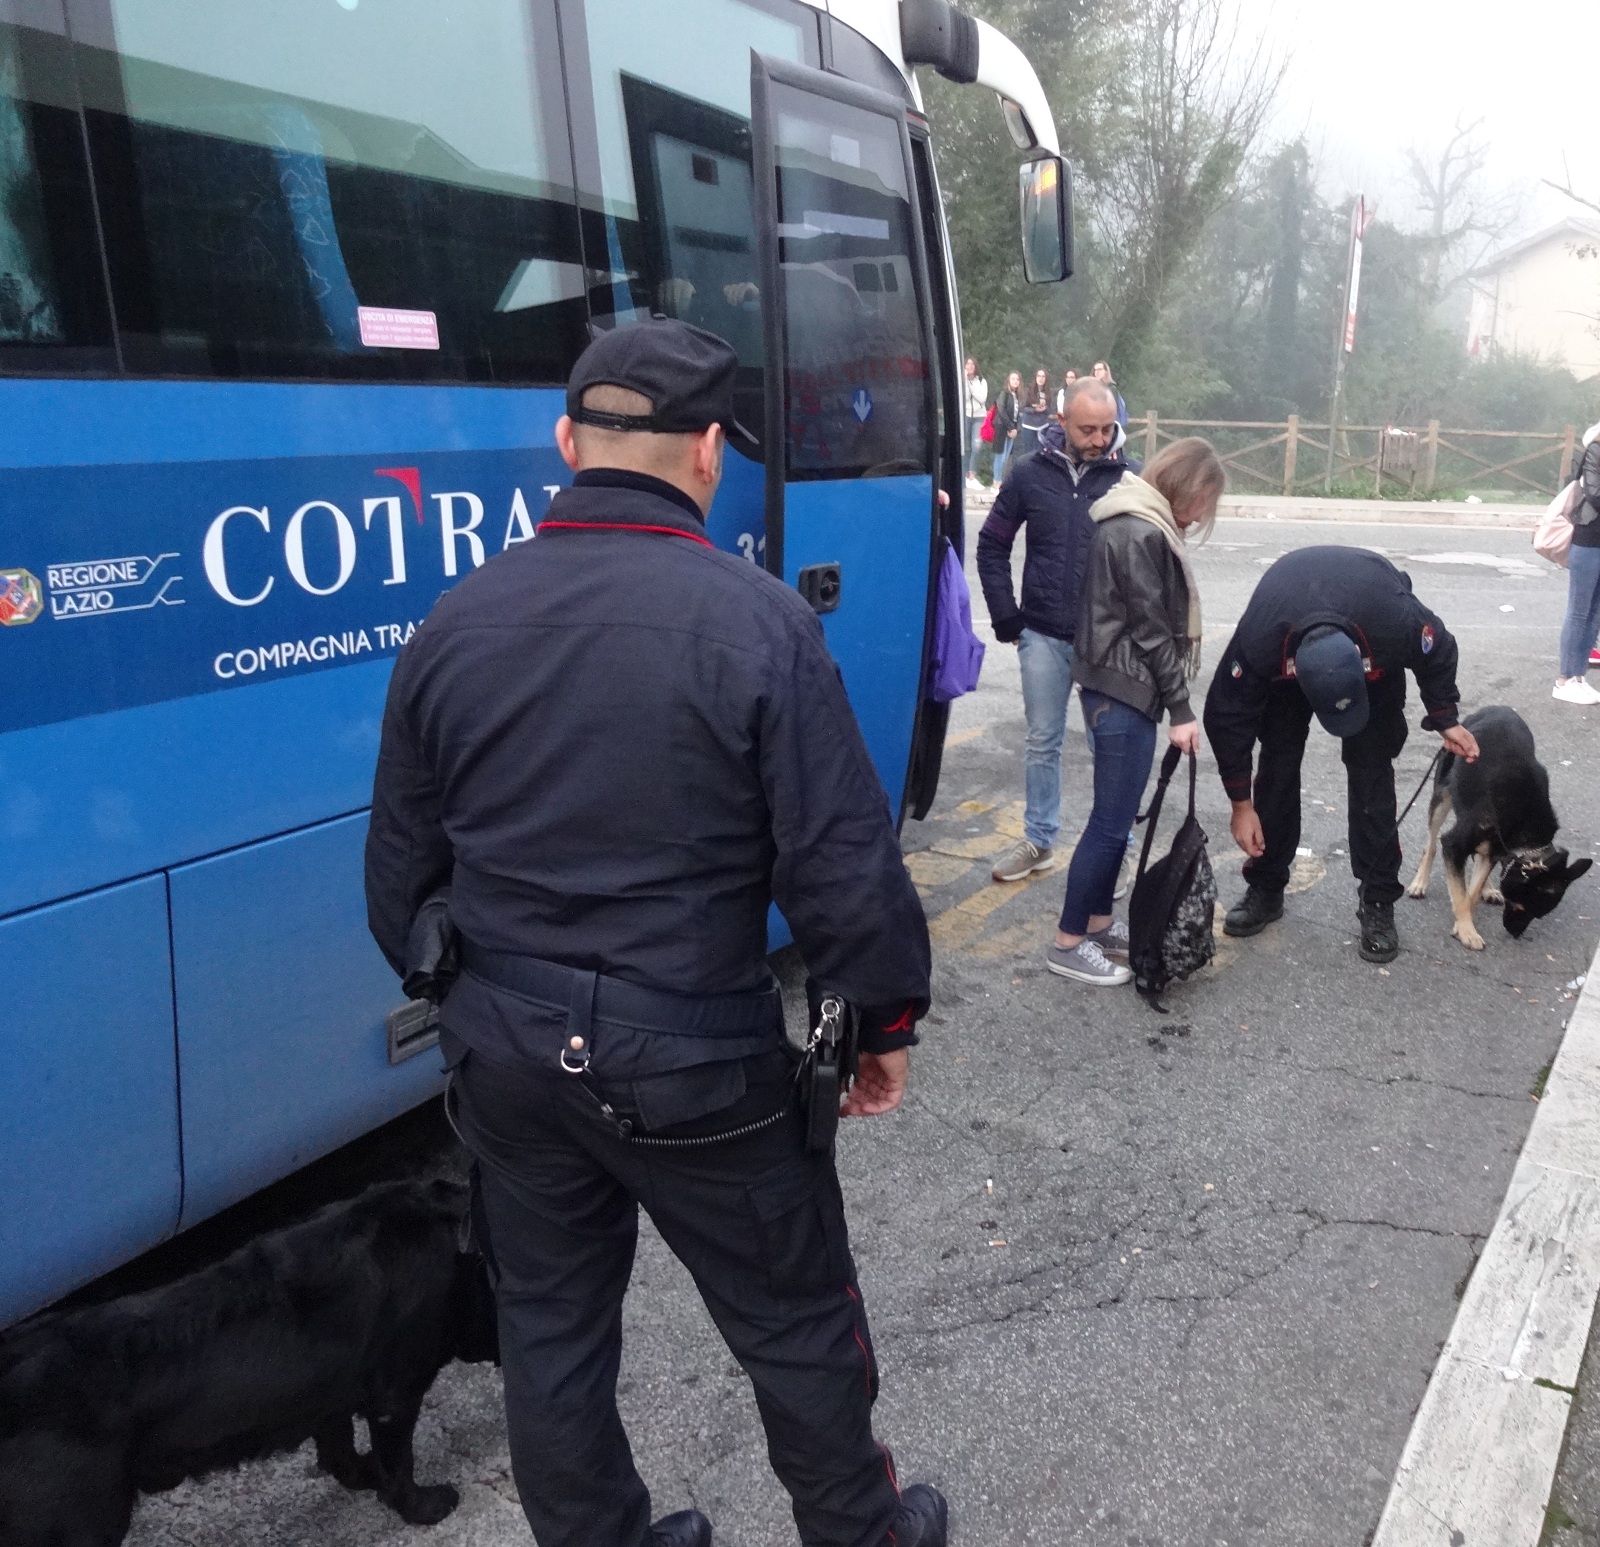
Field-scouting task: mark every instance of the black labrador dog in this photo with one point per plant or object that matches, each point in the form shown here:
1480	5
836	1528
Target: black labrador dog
353	1311
1503	816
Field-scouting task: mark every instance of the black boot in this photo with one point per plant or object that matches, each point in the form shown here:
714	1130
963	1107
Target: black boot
687	1528
924	1518
1380	940
1253	912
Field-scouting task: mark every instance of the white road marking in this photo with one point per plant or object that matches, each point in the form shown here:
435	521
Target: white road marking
1510	565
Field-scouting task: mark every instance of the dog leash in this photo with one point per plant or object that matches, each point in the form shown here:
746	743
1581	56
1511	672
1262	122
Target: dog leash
1419	789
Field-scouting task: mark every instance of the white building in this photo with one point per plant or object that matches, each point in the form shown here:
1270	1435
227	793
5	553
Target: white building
1542	296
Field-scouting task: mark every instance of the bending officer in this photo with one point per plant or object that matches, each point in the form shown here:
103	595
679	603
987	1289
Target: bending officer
617	746
1331	632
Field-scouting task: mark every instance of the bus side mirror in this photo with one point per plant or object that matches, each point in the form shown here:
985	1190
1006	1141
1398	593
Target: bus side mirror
1046	220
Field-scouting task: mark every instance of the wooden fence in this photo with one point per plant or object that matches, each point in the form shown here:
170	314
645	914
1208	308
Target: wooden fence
1291	456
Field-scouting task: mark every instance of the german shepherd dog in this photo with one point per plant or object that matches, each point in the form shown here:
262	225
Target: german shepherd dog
353	1311
1503	817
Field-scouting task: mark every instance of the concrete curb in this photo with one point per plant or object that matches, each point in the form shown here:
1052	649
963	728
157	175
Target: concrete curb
1482	1452
1267	507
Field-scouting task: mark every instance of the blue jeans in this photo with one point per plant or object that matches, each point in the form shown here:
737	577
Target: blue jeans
1582	623
970	450
1046	686
1002	452
1124	749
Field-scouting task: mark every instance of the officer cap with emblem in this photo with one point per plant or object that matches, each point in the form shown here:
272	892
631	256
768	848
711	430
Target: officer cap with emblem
1333	677
687	373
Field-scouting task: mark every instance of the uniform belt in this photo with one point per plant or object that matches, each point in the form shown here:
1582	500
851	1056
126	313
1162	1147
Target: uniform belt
592	996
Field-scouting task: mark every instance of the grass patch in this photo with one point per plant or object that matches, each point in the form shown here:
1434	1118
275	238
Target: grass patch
1540	1080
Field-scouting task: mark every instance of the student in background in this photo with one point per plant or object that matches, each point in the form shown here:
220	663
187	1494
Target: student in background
1036	414
1582	622
975	402
1007	423
1102	373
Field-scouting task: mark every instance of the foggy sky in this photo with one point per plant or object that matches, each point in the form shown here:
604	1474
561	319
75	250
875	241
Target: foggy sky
1369	78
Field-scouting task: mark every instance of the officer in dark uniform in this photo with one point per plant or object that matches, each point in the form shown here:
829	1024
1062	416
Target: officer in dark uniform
616	746
1330	632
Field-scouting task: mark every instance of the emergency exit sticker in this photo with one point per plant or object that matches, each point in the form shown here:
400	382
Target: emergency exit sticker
388	327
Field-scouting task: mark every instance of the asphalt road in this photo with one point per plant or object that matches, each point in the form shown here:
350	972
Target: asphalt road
1134	1279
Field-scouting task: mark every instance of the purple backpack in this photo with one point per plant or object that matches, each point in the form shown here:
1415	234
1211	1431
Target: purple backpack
957	651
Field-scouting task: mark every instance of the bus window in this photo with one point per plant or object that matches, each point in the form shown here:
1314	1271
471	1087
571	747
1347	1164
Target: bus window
857	394
671	130
321	188
52	297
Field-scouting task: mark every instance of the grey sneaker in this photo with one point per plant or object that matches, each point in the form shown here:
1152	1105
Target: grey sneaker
1021	860
1088	964
1113	940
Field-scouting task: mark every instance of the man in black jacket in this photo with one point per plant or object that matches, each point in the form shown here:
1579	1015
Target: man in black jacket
1050	493
1330	632
617	746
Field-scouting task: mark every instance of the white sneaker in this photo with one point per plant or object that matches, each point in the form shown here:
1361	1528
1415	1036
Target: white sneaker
1575	690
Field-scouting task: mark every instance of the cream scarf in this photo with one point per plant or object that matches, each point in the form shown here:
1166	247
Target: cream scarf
1134	497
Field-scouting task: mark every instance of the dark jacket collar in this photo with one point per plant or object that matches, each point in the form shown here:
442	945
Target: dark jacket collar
1291	642
615	497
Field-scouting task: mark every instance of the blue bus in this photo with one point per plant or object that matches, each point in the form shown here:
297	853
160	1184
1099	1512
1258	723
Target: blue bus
287	292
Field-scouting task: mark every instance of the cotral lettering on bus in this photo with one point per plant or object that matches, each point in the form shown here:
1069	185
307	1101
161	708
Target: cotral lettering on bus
310	557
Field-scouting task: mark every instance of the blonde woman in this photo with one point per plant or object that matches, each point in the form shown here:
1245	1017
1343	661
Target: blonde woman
1135	652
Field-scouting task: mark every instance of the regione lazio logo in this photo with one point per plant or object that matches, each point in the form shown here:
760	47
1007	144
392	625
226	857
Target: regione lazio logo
21	597
1427	637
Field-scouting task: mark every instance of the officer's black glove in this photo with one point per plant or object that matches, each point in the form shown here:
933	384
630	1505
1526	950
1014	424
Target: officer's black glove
433	956
1009	630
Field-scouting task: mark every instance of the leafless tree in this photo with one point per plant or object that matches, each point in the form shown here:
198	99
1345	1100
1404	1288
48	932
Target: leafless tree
1583	250
1571	193
1465	219
1199	100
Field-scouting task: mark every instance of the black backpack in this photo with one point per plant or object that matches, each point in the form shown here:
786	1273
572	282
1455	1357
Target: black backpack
1174	901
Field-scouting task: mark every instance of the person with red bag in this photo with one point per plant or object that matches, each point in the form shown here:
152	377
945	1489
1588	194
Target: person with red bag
1006	422
1581	626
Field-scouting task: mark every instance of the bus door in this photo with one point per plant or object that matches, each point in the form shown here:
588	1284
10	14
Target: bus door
849	433
933	718
660	113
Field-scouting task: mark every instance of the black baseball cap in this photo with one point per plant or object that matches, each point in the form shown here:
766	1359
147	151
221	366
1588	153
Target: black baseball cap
686	372
1333	677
